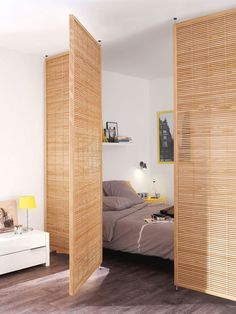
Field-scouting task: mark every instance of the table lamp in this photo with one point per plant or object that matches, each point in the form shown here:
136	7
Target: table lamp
27	202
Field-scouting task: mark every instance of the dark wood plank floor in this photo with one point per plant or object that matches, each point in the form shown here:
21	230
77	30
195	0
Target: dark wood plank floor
127	284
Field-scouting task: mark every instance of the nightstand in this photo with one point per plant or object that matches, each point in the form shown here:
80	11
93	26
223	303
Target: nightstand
159	200
18	251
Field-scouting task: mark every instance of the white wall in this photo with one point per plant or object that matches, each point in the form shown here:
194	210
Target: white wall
21	130
161	99
133	103
126	101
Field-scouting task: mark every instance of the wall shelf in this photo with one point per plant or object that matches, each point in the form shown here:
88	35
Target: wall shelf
117	144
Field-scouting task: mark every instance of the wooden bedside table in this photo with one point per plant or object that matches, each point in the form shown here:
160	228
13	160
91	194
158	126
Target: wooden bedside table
18	251
160	200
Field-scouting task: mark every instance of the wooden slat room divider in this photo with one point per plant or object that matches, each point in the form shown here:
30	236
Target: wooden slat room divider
205	154
85	155
73	174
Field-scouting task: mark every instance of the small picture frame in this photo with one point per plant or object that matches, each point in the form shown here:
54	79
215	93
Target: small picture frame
8	216
112	128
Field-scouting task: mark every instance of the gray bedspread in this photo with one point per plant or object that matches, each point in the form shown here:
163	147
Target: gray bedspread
126	231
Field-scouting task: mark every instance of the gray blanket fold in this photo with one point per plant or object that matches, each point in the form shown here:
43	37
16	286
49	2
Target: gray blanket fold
127	231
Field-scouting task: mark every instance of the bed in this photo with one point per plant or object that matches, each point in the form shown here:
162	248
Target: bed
125	229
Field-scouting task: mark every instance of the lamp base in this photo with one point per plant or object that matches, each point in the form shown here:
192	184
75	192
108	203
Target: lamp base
26	229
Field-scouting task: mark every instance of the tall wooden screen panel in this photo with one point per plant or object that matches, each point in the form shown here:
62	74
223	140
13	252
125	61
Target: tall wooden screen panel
85	155
205	160
73	177
57	152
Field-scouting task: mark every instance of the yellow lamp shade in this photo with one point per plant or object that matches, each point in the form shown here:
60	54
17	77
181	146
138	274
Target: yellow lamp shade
27	201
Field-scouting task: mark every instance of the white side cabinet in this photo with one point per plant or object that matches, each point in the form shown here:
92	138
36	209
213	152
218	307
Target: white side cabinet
18	251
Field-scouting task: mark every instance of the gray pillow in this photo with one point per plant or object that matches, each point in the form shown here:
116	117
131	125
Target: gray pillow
123	189
116	203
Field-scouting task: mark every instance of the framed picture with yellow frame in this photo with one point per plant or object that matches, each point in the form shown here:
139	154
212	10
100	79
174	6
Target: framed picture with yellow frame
165	137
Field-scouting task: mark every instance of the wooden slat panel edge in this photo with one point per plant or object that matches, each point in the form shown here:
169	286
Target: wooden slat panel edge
71	161
205	18
45	144
175	159
82	26
61	54
221	295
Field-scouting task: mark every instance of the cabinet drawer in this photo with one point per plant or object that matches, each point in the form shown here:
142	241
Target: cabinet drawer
21	242
20	260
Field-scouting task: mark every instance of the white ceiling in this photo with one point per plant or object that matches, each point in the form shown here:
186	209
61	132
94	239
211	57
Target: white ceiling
135	34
